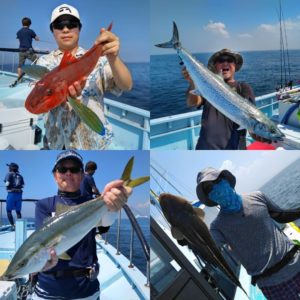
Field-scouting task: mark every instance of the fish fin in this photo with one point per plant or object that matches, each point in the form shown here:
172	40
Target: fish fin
174	42
176	233
138	181
67	59
87	116
127	170
195	92
35	71
65	256
199	212
61	208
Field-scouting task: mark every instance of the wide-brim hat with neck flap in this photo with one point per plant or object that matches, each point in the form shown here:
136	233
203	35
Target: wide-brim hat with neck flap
211	174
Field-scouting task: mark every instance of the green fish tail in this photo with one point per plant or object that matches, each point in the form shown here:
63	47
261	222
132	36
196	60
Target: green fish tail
87	116
128	169
138	181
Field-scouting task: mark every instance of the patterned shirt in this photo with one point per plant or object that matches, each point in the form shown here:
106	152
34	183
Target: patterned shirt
63	127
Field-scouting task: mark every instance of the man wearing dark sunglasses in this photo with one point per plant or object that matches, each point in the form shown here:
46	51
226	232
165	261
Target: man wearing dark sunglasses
217	131
75	278
63	128
245	224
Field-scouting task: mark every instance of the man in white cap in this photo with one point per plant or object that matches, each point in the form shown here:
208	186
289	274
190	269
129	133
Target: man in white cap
245	223
64	129
217	131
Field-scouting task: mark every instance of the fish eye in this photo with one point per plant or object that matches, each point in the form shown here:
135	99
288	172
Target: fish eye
49	92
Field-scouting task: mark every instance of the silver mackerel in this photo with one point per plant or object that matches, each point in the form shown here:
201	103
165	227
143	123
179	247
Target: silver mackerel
213	88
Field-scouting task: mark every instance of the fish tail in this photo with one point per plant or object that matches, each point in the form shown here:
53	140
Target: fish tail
174	42
87	116
126	175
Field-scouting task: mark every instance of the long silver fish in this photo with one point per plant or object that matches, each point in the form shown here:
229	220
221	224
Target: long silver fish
222	97
187	223
62	232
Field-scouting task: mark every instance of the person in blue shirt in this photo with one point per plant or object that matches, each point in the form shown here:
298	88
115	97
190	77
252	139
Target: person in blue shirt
25	36
88	186
14	183
75	278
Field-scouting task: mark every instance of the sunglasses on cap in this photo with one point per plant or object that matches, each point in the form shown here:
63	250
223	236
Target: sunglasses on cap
228	59
70	24
64	170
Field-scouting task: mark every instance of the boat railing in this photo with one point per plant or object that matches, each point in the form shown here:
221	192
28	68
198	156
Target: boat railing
182	131
135	228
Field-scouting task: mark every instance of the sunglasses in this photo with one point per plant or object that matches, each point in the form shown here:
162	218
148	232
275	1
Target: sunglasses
68	23
223	59
64	170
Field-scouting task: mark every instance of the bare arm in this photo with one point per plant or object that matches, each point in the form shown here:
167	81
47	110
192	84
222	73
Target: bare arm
111	47
191	99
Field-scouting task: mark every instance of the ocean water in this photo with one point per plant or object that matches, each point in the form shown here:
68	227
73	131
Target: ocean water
261	69
284	188
139	96
139	259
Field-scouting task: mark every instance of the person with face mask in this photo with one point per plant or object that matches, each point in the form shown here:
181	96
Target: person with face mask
245	223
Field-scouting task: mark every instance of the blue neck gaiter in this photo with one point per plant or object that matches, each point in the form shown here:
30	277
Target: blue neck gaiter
223	194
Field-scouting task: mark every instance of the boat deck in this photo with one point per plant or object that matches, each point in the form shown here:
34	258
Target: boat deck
117	279
131	125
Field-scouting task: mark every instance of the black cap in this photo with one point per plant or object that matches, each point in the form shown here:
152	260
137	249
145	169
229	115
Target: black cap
70	155
211	174
13	165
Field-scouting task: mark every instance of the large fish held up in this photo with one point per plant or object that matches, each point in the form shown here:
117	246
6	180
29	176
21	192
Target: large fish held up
52	89
187	223
68	227
213	88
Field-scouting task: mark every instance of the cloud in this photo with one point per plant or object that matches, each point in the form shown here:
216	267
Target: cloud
245	36
217	28
268	27
255	173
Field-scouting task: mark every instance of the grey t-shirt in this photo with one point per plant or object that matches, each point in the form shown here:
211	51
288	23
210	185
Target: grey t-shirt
255	239
217	131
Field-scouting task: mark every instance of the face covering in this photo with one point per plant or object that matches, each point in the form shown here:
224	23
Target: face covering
223	194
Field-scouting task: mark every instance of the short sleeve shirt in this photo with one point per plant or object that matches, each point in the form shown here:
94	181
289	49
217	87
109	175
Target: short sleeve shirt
217	131
25	36
63	127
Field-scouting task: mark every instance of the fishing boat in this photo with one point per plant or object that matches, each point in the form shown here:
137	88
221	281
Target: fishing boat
19	129
118	276
176	273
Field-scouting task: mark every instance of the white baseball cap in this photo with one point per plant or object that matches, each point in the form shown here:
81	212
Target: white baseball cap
64	9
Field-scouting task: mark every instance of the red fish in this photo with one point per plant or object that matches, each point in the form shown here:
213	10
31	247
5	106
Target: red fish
52	89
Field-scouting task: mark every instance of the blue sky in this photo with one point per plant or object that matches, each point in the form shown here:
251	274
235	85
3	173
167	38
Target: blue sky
251	168
130	22
36	167
210	25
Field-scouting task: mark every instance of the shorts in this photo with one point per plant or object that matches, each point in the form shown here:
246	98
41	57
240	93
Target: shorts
289	290
29	54
14	201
